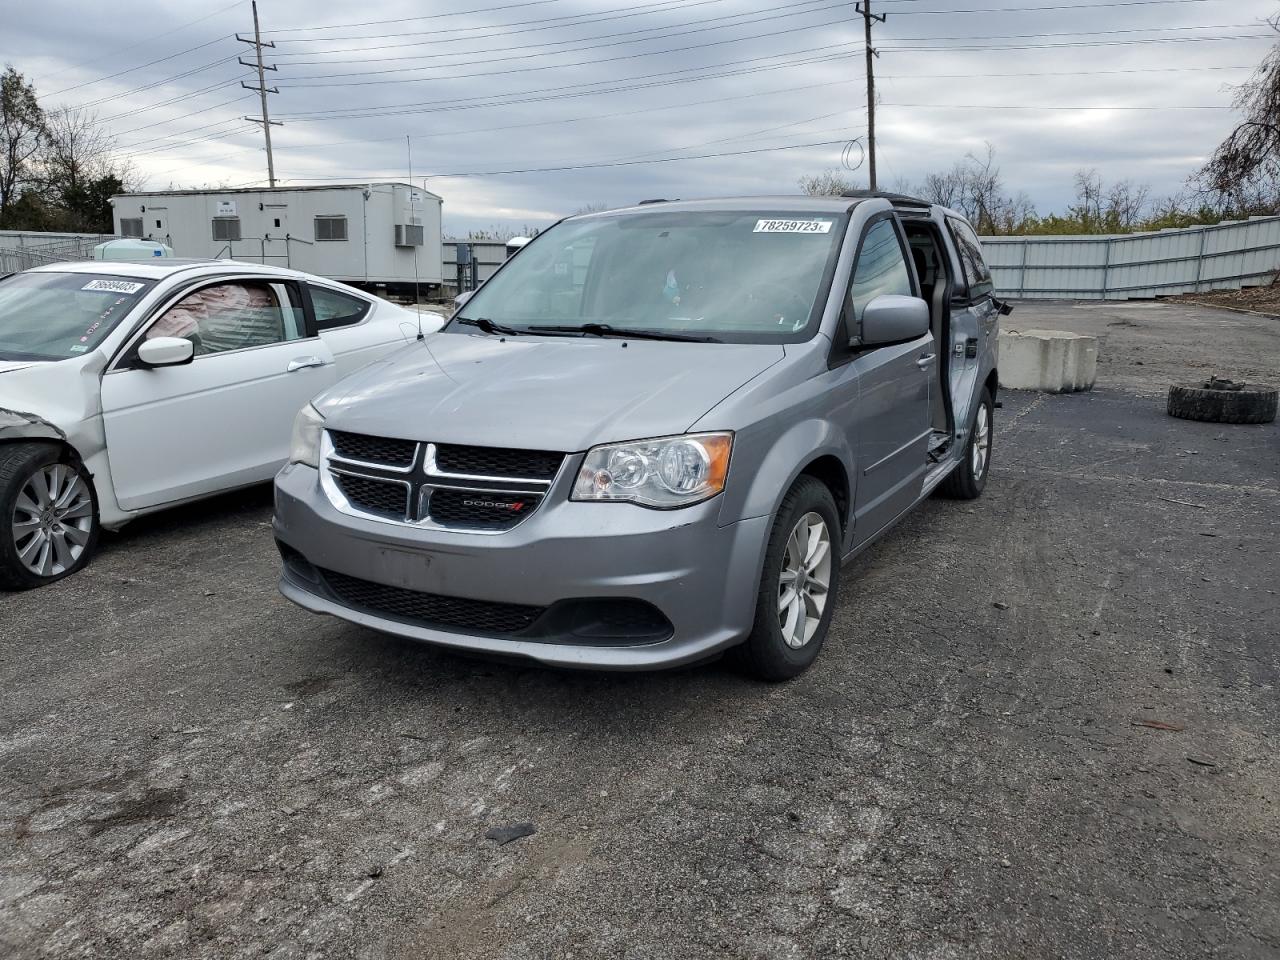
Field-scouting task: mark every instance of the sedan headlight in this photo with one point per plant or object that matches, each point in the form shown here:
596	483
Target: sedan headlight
663	473
304	447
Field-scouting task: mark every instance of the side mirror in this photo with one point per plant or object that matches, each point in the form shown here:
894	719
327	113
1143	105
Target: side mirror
166	352
890	318
461	299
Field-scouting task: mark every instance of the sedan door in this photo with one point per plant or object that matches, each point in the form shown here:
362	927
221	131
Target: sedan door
359	330
224	419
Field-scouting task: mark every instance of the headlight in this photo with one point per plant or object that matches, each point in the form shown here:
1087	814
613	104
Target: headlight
668	472
304	447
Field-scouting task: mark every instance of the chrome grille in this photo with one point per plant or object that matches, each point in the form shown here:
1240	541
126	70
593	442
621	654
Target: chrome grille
439	486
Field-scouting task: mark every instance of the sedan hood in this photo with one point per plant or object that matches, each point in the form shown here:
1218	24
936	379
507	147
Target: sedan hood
541	393
11	366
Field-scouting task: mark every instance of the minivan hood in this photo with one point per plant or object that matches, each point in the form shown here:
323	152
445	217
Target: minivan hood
541	393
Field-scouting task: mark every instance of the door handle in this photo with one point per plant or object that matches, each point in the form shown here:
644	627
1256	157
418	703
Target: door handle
301	363
926	360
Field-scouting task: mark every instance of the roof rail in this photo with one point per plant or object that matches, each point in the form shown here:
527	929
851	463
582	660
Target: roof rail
897	199
645	203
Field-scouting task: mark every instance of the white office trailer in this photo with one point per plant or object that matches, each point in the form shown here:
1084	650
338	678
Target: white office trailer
380	234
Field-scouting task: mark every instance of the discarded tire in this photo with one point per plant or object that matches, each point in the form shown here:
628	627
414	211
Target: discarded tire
1222	401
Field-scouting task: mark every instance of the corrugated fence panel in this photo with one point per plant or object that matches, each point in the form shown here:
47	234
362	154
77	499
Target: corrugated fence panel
1225	256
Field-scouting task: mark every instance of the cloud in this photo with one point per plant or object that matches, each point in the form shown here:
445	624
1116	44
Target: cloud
566	82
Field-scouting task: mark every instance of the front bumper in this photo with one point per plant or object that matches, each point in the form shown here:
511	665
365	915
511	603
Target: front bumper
700	576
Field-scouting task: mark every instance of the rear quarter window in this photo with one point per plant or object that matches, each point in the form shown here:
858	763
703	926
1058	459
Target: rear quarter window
977	274
337	309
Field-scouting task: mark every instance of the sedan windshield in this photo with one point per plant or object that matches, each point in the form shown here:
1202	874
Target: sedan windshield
53	316
732	276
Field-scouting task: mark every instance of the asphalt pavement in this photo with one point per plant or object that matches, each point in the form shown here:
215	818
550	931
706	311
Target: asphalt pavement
1044	726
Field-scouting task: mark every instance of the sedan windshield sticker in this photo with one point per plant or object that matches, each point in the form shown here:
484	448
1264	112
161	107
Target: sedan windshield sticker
792	226
114	286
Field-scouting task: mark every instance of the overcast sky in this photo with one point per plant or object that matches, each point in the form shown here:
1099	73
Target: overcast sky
511	85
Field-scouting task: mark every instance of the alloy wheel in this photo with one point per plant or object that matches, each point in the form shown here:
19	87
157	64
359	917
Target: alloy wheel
805	581
52	520
981	442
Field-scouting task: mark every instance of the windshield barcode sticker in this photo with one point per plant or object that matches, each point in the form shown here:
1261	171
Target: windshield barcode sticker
114	286
792	226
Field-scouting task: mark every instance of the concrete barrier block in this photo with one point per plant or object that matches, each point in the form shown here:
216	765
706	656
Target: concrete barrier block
1053	361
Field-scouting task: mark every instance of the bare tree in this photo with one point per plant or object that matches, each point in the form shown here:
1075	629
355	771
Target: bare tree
828	183
975	188
22	130
78	149
1243	171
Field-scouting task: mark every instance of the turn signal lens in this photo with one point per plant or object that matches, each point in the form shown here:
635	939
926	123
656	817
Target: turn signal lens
304	446
663	473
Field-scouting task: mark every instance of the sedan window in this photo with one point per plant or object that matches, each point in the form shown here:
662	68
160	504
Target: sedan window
231	316
336	309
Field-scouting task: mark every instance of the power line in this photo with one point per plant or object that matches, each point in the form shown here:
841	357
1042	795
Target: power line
526	51
542	23
456	13
1058	6
583	63
833	52
594	166
599	116
115	53
149	63
1091	43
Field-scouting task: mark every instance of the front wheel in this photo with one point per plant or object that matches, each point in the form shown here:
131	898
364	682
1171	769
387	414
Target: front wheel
49	514
969	477
798	586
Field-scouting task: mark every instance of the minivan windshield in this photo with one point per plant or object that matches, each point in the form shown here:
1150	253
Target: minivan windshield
53	316
731	276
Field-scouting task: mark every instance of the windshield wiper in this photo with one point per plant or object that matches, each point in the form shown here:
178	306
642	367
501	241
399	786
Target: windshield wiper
605	330
487	325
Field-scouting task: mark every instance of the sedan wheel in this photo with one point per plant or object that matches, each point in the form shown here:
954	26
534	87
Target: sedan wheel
52	515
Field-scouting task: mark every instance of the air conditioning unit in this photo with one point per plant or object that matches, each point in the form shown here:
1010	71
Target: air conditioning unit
408	235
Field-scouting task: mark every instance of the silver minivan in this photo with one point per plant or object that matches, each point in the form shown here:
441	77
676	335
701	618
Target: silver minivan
653	435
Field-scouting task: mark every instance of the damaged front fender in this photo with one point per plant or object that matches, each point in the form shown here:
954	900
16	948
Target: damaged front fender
18	425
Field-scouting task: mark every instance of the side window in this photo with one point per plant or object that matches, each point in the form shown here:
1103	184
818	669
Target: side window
232	316
976	273
881	269
336	309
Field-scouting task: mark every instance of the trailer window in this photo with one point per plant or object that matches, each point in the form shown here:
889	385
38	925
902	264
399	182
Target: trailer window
226	228
331	228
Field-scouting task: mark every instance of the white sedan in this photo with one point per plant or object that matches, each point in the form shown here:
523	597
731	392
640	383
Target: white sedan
126	388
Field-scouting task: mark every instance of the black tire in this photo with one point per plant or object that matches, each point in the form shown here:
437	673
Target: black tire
19	463
1250	404
766	654
967	481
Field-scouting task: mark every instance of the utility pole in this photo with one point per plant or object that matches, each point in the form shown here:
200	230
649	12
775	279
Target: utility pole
868	18
262	89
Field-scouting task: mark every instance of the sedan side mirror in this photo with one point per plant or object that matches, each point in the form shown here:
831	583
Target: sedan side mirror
891	318
461	299
166	352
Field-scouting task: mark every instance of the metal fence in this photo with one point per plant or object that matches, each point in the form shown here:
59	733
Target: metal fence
24	249
1226	256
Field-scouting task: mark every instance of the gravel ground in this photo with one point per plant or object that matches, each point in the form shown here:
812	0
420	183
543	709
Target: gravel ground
1044	725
